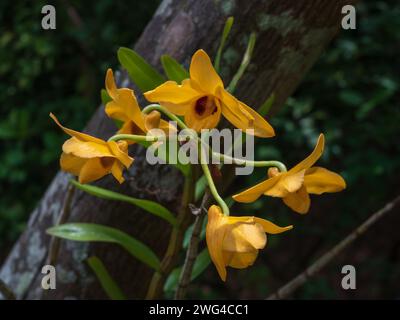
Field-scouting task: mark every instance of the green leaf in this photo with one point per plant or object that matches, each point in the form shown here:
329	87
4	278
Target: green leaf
150	206
113	291
201	185
87	232
189	230
141	73
266	106
172	280
225	33
105	98
173	69
245	62
203	260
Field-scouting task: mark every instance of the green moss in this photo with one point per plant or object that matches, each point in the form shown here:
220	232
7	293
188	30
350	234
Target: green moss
283	23
227	6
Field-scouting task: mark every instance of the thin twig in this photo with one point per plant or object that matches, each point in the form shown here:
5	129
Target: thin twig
191	253
54	247
294	284
6	291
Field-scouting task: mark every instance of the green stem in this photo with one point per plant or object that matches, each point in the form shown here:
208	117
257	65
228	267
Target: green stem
157	107
211	184
225	33
245	62
244	162
133	137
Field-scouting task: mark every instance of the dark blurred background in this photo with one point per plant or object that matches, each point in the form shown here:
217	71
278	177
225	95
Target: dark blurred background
352	95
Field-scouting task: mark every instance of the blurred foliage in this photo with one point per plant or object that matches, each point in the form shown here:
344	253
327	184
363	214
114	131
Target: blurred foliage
352	95
58	70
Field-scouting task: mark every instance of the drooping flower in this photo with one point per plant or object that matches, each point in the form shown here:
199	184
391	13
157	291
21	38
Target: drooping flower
91	158
125	108
202	99
295	185
235	241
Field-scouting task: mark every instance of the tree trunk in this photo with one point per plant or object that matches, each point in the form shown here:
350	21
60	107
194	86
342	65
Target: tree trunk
290	37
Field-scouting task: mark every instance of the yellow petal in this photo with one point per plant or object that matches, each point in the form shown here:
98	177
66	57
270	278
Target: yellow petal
178	109
77	134
129	127
240	260
244	237
116	111
116	171
260	126
167	127
86	149
110	85
152	120
318	180
125	108
197	123
71	163
233	220
120	151
172	93
203	73
270	227
287	183
298	201
93	170
215	233
312	158
233	112
253	193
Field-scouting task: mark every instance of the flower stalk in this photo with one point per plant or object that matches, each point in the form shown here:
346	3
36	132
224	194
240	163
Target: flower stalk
157	107
133	137
210	182
243	162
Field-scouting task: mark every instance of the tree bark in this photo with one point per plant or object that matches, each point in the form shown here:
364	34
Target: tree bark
290	37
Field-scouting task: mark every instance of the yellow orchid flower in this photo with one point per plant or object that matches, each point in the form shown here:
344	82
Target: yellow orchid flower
295	185
235	241
91	158
124	107
202	99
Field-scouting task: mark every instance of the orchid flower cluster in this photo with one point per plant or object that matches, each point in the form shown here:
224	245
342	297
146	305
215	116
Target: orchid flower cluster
199	102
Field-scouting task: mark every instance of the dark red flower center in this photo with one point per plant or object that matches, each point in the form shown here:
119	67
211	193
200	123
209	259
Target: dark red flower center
201	106
205	106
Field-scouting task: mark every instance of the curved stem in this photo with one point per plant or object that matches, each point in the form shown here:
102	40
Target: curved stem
133	137
244	162
211	183
169	114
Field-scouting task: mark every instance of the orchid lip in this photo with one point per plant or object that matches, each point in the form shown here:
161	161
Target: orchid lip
205	106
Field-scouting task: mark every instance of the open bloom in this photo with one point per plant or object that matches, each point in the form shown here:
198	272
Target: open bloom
91	158
235	241
125	108
202	99
295	185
